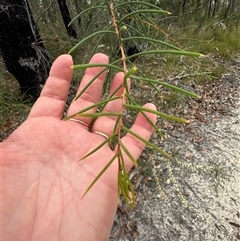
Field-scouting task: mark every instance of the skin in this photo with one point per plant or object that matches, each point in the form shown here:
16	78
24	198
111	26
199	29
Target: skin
42	182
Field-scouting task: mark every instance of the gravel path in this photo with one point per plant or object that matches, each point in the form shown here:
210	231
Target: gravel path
180	202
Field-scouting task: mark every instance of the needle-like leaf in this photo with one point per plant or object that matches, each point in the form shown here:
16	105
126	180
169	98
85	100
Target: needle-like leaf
85	66
158	11
100	174
146	142
98	114
127	152
88	84
143	113
87	38
173	87
99	146
92	107
158	113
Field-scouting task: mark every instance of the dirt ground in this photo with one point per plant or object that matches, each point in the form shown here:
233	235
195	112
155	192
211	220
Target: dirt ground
196	196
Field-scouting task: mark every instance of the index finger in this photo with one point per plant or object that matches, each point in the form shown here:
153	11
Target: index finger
53	97
93	93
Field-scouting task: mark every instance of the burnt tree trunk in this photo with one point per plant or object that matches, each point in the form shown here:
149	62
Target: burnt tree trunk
183	7
66	18
21	47
78	9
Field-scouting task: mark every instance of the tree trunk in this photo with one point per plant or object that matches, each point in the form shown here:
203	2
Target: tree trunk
21	46
66	18
78	10
183	7
210	8
230	9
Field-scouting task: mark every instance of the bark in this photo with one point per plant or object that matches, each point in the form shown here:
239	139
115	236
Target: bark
78	10
231	5
210	8
21	46
216	3
66	18
183	6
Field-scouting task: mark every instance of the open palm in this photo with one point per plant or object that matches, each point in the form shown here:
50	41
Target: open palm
42	180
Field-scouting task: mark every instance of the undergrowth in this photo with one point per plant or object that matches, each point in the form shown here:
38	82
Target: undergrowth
213	40
13	107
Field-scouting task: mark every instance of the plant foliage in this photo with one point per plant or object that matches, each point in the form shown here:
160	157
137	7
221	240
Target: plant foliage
130	33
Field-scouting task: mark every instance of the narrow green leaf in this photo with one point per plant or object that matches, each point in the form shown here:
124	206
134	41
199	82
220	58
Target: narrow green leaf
92	106
128	153
84	11
101	108
121	187
117	124
153	41
98	41
149	121
98	114
99	146
88	84
148	11
125	183
146	142
100	174
173	87
165	51
158	113
85	66
152	6
110	96
89	37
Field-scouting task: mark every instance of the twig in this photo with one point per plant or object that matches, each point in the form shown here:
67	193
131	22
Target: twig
118	35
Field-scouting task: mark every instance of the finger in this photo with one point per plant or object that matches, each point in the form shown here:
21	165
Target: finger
93	93
142	128
106	124
53	97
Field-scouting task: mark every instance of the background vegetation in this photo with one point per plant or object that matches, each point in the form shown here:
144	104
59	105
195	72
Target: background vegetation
207	26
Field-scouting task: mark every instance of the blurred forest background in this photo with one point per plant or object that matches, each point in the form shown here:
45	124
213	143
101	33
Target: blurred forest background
207	26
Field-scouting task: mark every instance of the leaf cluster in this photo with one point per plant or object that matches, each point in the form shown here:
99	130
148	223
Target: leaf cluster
130	25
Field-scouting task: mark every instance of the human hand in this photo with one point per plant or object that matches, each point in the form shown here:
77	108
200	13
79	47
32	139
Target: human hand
42	180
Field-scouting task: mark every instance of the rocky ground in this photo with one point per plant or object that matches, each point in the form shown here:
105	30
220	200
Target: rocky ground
196	196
